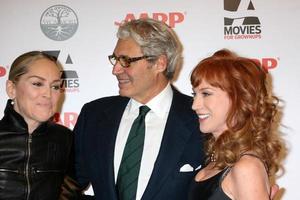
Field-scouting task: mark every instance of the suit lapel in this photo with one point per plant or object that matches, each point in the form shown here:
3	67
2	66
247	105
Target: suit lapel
173	144
109	126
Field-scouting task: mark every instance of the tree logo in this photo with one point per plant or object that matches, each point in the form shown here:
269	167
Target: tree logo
59	22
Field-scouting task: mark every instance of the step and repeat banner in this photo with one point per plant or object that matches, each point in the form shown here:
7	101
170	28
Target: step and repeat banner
83	33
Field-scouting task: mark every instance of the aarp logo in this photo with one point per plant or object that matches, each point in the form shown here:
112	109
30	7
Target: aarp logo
171	18
268	63
67	119
3	71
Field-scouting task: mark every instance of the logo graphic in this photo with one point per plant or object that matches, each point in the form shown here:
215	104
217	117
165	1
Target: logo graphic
240	21
171	18
70	81
67	119
52	53
267	63
59	22
2	71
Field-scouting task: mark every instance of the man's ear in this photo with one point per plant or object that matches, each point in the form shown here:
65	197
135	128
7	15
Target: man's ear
11	89
161	63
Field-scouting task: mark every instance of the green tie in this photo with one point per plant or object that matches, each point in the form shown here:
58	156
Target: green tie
131	160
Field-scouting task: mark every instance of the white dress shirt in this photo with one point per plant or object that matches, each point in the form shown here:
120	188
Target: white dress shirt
155	122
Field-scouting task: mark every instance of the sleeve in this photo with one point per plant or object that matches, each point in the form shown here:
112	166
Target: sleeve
70	189
79	132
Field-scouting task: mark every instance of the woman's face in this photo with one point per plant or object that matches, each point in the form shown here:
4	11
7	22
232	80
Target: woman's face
212	106
37	92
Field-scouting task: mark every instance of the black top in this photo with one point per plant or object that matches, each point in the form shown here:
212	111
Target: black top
209	189
32	166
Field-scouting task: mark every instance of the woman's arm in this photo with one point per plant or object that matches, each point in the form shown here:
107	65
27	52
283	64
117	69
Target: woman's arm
248	180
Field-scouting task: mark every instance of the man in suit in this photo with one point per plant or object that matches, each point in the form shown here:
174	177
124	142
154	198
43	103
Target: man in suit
144	61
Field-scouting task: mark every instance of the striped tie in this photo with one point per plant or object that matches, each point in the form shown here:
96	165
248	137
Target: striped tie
131	160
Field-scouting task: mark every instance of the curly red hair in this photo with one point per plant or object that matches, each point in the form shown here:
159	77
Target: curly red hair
253	109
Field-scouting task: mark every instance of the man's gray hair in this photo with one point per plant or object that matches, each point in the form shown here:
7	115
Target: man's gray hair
155	38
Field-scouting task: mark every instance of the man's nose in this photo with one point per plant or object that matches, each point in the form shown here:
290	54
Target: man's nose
117	68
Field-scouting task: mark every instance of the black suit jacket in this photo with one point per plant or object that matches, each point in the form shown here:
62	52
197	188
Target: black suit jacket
95	136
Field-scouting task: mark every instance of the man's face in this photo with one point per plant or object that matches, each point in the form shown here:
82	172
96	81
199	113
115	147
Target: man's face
140	80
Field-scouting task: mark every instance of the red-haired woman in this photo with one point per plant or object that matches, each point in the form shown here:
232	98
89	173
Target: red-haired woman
237	112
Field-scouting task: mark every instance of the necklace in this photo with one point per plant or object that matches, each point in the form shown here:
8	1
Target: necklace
212	157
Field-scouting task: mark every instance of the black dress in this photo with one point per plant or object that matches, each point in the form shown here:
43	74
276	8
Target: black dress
209	189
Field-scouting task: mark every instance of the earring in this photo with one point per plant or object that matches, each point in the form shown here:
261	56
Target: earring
12	102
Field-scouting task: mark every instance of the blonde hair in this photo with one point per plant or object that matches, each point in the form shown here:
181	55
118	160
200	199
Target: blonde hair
21	63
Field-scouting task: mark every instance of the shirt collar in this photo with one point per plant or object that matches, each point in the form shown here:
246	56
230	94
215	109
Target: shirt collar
159	105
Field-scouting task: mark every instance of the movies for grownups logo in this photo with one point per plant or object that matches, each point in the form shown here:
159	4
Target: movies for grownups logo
70	81
59	22
241	21
70	78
